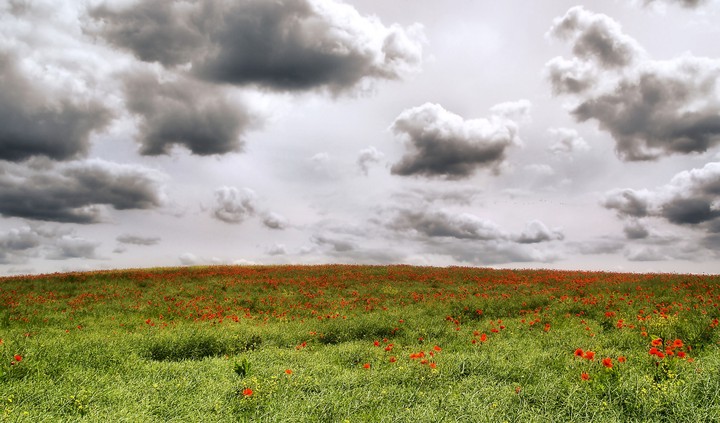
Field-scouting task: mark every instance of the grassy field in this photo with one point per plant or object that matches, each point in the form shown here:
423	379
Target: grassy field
359	343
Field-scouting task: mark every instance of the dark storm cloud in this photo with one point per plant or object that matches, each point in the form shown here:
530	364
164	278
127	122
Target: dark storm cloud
42	121
663	108
184	112
596	37
443	144
284	45
76	192
138	240
692	198
153	30
651	108
233	205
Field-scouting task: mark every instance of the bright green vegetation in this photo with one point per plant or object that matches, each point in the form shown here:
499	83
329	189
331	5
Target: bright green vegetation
359	343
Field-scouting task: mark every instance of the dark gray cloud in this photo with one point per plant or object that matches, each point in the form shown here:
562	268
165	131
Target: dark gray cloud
443	144
651	108
692	199
440	223
628	202
44	121
76	192
233	205
635	229
187	113
138	240
662	108
596	37
536	232
284	45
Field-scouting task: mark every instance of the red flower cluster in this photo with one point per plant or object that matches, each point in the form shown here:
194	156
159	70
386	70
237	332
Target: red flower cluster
671	349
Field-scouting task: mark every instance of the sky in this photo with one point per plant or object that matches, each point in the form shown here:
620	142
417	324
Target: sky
517	134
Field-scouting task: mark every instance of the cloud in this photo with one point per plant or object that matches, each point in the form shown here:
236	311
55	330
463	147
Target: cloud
635	229
596	37
233	205
652	108
274	221
338	245
536	232
691	199
566	141
441	223
285	45
71	246
37	119
367	156
138	240
77	192
189	259
663	108
187	113
690	4
570	76
443	144
277	250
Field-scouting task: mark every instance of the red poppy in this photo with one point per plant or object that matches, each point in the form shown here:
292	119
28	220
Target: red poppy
247	392
677	343
436	348
622	359
656	342
483	338
433	365
681	354
393	359
607	362
579	352
584	376
590	355
376	343
18	357
654	351
288	371
366	366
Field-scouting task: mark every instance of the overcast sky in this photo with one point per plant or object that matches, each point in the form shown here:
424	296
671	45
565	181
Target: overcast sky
555	134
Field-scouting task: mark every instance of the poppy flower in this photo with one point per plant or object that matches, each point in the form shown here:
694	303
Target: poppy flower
622	359
656	342
677	343
590	355
433	365
18	357
579	352
654	351
366	366
393	359
437	348
483	337
288	371
584	376
681	354
607	362
247	392
376	343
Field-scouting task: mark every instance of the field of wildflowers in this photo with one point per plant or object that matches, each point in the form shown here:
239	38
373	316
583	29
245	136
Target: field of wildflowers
359	343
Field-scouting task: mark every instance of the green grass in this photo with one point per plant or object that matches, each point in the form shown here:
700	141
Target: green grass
187	345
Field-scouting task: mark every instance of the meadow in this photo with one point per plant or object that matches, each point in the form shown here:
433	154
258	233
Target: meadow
343	343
